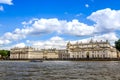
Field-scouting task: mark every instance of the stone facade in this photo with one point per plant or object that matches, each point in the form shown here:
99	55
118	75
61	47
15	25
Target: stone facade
101	49
32	53
19	53
63	54
50	53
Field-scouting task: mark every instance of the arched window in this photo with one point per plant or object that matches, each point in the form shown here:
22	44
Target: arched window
87	54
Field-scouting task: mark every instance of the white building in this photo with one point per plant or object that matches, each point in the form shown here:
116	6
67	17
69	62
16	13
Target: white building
101	49
32	53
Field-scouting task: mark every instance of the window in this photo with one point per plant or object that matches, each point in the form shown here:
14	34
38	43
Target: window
98	55
92	55
82	56
73	56
103	55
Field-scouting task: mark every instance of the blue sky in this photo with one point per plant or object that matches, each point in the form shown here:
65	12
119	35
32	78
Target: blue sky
52	23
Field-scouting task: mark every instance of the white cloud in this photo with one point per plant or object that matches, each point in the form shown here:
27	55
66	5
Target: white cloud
54	42
46	26
9	2
106	20
111	37
78	15
9	37
60	43
13	36
19	45
86	5
56	38
1	8
77	28
43	26
3	42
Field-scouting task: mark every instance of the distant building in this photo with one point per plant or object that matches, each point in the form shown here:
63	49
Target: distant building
50	54
63	54
20	53
92	49
32	53
101	49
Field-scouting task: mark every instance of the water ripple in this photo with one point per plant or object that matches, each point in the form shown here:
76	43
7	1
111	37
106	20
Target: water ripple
60	70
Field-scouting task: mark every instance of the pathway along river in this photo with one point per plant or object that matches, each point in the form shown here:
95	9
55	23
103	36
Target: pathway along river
60	70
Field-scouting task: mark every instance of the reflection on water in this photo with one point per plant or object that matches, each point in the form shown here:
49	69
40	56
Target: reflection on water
60	70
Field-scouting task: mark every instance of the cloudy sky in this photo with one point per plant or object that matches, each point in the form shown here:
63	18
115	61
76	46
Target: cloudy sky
52	23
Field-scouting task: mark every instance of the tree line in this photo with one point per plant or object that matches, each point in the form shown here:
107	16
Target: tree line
5	54
117	45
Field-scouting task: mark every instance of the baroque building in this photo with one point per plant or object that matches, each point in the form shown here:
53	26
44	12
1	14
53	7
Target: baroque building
19	53
32	53
63	54
92	49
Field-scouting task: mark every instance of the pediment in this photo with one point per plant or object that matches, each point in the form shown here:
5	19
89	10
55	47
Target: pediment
97	47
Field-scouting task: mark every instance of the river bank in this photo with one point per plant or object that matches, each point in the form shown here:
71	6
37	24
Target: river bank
81	59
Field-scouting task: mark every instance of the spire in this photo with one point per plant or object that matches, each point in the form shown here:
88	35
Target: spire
91	40
68	43
81	42
107	41
77	43
96	41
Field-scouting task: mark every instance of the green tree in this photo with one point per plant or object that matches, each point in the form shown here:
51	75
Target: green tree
4	54
117	45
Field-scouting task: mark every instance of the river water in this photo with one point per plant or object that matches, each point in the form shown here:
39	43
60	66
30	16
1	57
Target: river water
60	70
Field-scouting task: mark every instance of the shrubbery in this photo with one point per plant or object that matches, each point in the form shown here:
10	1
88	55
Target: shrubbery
4	54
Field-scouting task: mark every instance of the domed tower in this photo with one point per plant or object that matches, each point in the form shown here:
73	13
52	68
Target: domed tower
77	44
68	45
107	42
